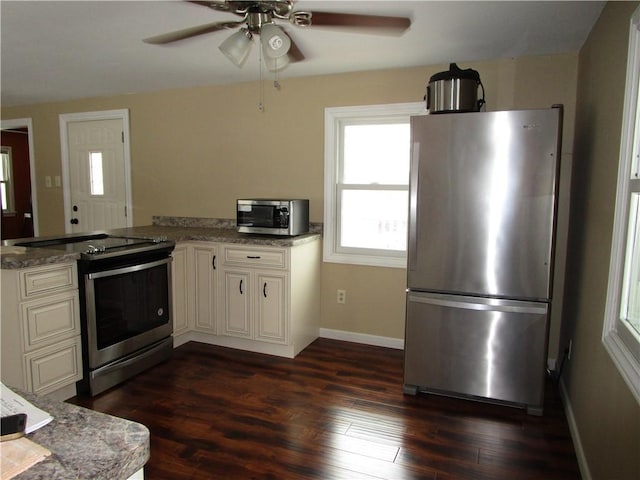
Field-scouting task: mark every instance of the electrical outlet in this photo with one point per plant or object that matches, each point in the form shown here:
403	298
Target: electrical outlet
342	296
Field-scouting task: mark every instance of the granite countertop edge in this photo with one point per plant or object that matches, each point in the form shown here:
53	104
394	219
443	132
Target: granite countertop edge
86	444
177	229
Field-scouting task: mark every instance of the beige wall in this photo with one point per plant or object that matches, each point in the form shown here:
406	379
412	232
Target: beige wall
606	414
194	151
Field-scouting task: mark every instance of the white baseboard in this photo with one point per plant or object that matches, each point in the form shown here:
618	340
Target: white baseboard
575	435
389	342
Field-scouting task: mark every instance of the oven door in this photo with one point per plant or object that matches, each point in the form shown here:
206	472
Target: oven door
127	308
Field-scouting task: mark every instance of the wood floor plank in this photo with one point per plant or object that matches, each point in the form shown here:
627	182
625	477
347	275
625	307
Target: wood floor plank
337	411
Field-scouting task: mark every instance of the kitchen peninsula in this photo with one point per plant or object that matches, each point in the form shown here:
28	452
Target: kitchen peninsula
86	444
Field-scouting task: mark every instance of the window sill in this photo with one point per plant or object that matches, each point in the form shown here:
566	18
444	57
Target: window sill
627	365
366	260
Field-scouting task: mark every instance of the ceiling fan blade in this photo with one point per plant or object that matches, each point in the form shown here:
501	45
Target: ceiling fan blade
294	53
361	23
191	32
216	5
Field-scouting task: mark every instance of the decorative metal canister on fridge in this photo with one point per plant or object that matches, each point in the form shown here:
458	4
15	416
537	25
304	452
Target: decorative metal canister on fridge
454	91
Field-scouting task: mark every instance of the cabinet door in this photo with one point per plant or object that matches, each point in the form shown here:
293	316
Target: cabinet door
271	312
205	264
237	303
179	280
50	319
54	367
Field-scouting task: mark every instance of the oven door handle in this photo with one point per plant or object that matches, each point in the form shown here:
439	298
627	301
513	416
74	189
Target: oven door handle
130	269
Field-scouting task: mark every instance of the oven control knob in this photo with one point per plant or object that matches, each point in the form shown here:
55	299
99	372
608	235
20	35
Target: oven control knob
92	249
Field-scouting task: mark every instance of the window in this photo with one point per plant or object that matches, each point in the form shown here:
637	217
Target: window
6	180
367	158
621	335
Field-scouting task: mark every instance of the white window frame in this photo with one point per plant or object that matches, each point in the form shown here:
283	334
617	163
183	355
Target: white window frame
335	119
619	340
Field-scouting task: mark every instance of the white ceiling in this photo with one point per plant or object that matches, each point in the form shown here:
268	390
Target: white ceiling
53	51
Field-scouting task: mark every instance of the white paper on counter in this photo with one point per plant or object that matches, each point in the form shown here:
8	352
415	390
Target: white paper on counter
12	403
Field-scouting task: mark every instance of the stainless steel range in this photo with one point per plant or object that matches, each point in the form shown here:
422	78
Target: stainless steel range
125	301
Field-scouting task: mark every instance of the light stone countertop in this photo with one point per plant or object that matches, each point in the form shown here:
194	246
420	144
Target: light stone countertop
178	229
85	444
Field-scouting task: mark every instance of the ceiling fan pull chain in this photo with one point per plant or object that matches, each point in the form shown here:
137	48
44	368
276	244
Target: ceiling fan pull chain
261	102
276	80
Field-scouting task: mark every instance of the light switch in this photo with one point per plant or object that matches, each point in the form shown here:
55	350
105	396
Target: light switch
57	180
47	181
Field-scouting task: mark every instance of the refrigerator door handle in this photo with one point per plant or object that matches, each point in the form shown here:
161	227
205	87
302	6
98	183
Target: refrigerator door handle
413	206
487	304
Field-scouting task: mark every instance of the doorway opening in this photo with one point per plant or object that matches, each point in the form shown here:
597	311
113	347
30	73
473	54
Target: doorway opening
18	193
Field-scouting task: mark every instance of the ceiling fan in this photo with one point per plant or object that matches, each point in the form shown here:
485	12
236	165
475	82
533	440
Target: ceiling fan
259	18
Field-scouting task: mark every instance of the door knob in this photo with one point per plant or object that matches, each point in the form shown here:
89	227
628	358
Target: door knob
74	221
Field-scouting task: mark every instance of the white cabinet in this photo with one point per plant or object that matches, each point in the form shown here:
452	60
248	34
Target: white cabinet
269	297
260	298
194	279
236	295
271	314
205	275
180	271
255	304
255	297
41	346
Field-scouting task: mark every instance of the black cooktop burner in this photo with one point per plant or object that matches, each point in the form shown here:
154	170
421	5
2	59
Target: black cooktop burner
100	245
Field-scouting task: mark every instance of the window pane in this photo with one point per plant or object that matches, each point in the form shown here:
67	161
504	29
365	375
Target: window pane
95	172
374	219
630	310
4	168
3	195
376	153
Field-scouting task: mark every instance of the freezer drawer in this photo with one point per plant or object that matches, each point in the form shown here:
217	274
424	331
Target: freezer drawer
476	347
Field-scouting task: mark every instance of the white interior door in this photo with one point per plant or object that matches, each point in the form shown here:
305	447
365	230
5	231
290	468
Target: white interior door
97	186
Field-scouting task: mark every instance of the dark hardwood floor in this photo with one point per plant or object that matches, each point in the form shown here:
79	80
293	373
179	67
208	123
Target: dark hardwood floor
337	411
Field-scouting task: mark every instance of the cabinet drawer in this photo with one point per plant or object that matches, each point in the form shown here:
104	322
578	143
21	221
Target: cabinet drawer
47	279
50	319
256	257
54	367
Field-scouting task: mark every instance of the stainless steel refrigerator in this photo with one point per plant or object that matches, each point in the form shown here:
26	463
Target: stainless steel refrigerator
483	196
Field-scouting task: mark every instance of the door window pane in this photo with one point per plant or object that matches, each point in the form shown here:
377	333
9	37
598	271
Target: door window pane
95	173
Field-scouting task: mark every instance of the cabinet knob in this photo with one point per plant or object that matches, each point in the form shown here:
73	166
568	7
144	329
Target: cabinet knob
264	289
240	287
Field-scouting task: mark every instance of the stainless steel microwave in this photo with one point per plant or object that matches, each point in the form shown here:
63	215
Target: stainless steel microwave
273	217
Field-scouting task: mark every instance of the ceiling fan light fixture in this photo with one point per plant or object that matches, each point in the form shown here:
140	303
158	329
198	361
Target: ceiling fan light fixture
276	64
275	43
237	46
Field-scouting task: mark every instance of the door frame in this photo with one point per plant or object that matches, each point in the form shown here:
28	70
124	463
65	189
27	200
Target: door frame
67	118
28	124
